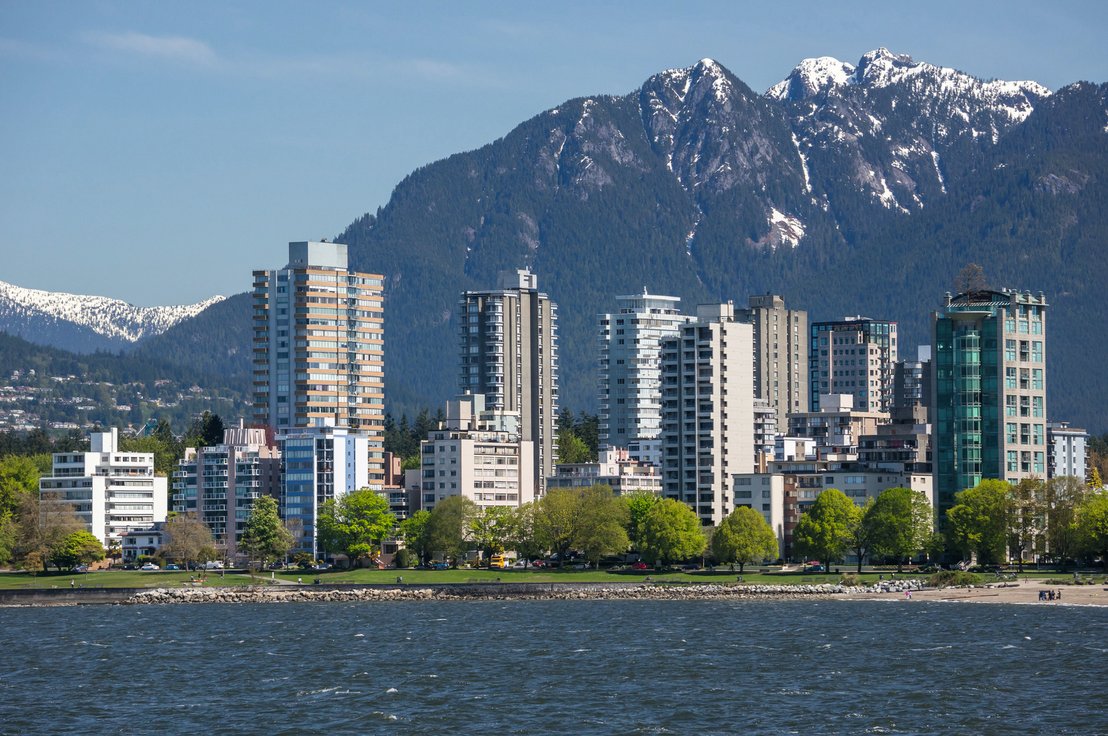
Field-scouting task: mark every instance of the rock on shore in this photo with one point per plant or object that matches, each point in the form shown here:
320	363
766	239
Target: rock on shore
510	592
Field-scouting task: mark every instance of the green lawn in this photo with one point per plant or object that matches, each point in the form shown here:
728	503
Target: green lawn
118	579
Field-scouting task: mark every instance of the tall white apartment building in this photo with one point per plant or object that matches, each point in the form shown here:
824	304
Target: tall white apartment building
615	468
319	346
477	453
509	354
855	356
631	372
219	484
113	492
708	410
320	463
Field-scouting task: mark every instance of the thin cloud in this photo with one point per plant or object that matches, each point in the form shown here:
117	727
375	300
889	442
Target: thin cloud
170	48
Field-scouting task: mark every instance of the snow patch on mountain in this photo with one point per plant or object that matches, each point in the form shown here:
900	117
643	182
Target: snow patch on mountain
112	318
789	230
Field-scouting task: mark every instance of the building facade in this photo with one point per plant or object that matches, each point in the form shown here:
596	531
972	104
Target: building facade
780	354
707	410
854	356
509	354
1066	451
477	453
219	484
319	347
615	468
112	492
319	464
989	390
630	371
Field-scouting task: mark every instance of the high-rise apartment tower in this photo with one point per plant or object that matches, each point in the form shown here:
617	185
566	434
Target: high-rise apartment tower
780	354
855	356
509	353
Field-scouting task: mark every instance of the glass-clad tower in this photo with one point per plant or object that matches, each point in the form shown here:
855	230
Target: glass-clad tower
989	390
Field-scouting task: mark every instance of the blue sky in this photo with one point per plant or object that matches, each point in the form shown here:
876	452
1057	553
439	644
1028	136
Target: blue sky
158	152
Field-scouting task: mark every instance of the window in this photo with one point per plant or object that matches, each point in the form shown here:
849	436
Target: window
1013	461
1010	350
1010	406
1037	351
1037	406
1011	432
1009	378
1037	379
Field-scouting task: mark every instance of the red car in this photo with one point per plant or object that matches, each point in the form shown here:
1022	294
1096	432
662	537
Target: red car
640	565
538	563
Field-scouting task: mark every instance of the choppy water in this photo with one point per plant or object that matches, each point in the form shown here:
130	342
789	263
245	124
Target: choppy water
596	667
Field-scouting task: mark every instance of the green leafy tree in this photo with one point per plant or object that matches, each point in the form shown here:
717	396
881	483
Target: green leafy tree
265	538
555	520
743	537
524	541
862	534
492	529
76	548
166	454
639	504
900	524
978	521
355	523
601	523
414	532
572	449
1092	526
671	532
446	527
1064	495
188	540
823	532
19	478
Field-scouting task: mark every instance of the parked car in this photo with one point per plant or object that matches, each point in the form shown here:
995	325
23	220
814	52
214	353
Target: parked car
814	568
149	566
440	566
172	567
538	563
640	565
213	565
80	568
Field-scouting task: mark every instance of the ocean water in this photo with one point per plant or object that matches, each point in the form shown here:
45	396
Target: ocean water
555	667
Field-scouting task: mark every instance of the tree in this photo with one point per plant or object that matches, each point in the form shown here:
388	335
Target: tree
414	532
863	530
1025	516
971	278
525	542
76	548
555	520
572	449
1092	526
639	504
43	523
491	529
671	532
265	537
744	537
355	523
1064	495
446	527
979	520
19	478
188	540
823	532
900	521
1094	479
601	523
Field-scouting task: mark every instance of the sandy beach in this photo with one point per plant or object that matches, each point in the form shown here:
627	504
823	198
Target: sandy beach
1024	592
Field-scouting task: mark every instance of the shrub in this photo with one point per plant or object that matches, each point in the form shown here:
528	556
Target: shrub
953	578
403	558
850	578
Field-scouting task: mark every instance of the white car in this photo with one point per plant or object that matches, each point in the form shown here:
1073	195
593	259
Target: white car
150	566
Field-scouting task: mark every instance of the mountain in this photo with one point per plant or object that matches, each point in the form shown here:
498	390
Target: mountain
85	324
847	188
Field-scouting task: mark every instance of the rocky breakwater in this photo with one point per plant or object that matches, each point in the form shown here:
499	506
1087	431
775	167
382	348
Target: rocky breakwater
536	591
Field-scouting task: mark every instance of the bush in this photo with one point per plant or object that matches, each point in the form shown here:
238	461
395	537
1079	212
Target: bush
403	558
850	578
953	578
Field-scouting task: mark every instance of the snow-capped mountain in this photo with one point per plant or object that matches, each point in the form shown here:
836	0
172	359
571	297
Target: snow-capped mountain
897	128
83	323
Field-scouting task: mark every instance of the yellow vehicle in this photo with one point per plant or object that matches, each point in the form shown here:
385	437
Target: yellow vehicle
498	561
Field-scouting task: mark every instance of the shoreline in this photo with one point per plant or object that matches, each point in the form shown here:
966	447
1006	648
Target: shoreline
1023	593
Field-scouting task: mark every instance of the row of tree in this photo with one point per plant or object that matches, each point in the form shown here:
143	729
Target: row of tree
1061	519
